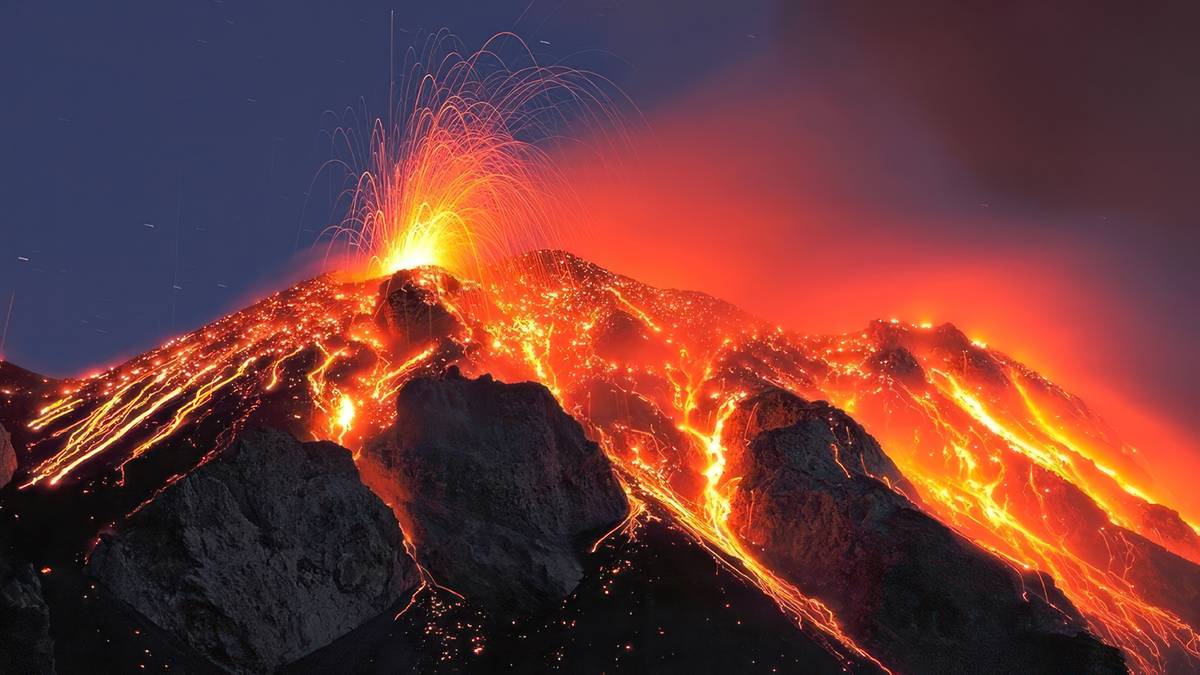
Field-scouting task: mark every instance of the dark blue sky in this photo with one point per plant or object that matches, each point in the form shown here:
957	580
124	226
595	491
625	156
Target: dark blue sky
153	145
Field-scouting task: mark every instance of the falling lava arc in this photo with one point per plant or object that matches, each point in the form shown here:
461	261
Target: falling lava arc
463	174
439	206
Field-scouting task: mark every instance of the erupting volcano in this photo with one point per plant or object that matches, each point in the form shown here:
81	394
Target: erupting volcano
583	471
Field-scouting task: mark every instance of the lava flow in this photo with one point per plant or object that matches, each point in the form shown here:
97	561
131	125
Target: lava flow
995	451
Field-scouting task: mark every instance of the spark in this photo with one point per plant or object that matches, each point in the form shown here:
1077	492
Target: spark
463	174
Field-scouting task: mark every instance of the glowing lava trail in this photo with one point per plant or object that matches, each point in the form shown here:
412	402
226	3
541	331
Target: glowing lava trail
320	334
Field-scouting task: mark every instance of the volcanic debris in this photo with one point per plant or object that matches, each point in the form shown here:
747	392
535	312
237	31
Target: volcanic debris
411	308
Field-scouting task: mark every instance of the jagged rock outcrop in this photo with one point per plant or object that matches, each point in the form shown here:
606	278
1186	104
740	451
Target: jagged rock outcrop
270	551
899	363
8	457
1169	526
1073	520
498	487
848	446
25	644
814	500
411	307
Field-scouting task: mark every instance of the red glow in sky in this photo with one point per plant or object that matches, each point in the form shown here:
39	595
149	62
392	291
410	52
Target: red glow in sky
773	199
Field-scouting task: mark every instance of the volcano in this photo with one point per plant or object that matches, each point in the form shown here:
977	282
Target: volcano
562	468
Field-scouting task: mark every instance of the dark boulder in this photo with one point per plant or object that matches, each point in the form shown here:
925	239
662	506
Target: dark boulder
848	447
25	643
411	307
628	340
899	363
8	457
498	487
268	552
814	501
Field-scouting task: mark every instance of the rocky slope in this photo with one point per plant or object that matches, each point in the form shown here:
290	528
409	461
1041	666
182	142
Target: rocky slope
689	401
822	503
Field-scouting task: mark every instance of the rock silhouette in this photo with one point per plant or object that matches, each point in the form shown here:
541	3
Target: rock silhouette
498	487
271	550
25	644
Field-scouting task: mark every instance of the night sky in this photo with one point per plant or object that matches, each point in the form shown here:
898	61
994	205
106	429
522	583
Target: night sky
205	120
1028	173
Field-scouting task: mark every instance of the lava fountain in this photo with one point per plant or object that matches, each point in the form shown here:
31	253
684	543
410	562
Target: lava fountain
446	198
463	174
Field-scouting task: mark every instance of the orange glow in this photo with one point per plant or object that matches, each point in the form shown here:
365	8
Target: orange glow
760	196
988	460
1000	465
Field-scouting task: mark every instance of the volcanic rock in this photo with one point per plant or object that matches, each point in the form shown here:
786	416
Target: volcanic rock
411	306
1169	526
814	499
846	443
25	644
623	338
657	602
498	487
659	441
271	550
947	343
966	358
899	363
21	394
1076	522
8	457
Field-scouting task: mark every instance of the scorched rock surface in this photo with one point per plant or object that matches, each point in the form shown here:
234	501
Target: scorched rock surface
270	551
499	488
